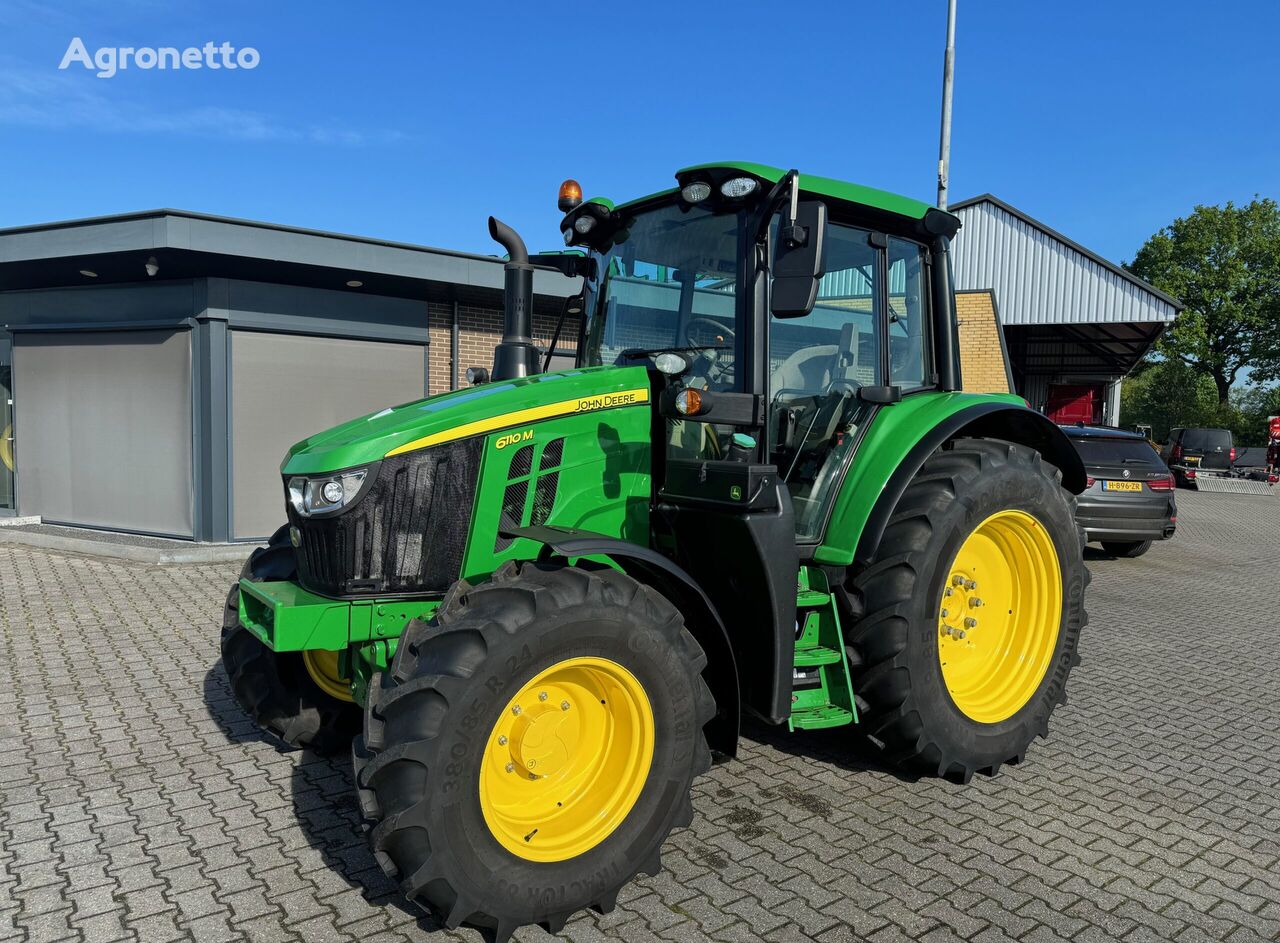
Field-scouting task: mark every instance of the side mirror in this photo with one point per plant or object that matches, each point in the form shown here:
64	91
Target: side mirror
799	261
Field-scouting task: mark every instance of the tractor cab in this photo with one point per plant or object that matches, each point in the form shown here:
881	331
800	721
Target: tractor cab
777	314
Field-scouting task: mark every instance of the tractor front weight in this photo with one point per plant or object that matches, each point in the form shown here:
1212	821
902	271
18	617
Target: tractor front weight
365	632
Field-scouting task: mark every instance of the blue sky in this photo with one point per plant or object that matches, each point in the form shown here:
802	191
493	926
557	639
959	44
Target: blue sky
415	121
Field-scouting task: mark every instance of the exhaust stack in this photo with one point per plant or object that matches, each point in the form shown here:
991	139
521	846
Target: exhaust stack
515	355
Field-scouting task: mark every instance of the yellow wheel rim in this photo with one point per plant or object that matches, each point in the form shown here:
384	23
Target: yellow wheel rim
1000	613
323	668
567	759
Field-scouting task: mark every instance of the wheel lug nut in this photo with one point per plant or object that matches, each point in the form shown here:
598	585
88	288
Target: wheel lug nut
960	634
542	696
975	602
564	705
516	710
947	591
946	630
502	741
958	580
944	613
511	767
970	584
970	622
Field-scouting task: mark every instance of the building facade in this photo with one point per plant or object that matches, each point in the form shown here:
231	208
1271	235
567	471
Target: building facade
1073	324
155	367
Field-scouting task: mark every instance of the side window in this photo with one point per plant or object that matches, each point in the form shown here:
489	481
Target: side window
838	339
817	363
909	356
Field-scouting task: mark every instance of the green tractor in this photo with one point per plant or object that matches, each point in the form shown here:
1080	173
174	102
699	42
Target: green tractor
541	604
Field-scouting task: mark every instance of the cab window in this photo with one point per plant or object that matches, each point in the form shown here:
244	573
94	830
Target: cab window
817	363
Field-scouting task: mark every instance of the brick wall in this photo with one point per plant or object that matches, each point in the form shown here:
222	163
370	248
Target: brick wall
981	354
479	330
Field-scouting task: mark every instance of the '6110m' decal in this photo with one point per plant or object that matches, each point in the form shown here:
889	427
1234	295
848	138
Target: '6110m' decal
568	407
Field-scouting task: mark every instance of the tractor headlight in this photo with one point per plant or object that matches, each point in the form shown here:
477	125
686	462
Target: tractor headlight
735	188
311	496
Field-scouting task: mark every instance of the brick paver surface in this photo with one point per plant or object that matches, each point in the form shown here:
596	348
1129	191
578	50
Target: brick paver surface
136	802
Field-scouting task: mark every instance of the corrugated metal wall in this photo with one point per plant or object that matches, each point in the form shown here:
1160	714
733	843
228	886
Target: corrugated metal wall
1039	279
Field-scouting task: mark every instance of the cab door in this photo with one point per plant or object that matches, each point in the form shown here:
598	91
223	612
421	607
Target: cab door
869	329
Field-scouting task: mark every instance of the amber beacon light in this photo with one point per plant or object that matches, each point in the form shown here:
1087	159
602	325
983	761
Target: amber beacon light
570	195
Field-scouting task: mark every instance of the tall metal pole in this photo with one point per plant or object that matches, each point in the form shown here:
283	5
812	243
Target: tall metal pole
948	77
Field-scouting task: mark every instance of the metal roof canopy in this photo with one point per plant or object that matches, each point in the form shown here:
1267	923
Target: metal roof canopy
1041	277
190	245
1106	349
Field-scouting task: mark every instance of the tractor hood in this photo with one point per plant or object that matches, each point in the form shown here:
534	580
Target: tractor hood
478	410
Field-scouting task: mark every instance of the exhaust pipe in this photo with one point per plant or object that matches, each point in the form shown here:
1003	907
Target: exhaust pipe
515	356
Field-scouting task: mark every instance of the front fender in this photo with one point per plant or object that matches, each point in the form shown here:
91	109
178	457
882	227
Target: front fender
903	435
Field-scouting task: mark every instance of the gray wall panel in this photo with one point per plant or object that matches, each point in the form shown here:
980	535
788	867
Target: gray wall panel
103	429
285	387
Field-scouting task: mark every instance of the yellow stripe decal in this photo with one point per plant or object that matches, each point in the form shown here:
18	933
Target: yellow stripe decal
568	407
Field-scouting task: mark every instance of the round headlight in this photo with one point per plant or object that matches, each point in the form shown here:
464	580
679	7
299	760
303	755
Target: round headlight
670	364
584	224
696	192
737	187
331	492
688	402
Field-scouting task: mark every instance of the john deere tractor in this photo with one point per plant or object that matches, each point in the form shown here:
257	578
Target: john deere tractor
540	604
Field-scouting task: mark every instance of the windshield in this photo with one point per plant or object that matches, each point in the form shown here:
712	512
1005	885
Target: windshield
670	284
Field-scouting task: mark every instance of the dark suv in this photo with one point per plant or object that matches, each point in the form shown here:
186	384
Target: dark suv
1129	499
1189	450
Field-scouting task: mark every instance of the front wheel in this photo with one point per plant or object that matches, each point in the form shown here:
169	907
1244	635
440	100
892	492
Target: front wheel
533	746
973	611
299	698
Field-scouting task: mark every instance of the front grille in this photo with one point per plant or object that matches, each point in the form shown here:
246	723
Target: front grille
406	534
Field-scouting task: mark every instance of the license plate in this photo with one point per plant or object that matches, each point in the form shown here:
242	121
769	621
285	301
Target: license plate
1192	460
1122	486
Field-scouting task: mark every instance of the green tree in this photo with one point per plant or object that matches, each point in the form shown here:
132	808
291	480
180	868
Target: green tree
1253	405
1168	393
1223	263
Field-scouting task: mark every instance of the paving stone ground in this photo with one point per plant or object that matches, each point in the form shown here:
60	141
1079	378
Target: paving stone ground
137	803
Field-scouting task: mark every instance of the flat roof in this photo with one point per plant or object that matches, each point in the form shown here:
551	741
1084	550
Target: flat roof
29	255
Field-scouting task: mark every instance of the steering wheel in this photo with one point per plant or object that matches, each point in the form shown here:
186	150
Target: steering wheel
719	329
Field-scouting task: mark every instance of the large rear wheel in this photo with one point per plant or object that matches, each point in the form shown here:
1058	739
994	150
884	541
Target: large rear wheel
533	746
972	611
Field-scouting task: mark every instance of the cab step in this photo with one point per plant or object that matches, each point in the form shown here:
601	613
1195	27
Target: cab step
820	718
821	691
812	657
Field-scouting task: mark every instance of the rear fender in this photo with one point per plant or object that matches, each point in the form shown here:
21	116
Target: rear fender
1017	424
899	439
701	618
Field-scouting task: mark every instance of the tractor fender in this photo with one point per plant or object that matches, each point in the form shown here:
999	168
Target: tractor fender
701	618
996	420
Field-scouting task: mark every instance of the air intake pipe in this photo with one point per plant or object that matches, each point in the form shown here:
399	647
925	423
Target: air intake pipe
515	355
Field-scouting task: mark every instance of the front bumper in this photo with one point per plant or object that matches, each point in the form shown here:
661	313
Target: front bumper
288	618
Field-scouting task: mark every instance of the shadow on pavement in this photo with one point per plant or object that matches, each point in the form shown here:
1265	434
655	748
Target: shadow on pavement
843	747
324	804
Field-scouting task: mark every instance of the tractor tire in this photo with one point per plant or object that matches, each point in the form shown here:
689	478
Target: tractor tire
275	688
503	683
1126	548
956	683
